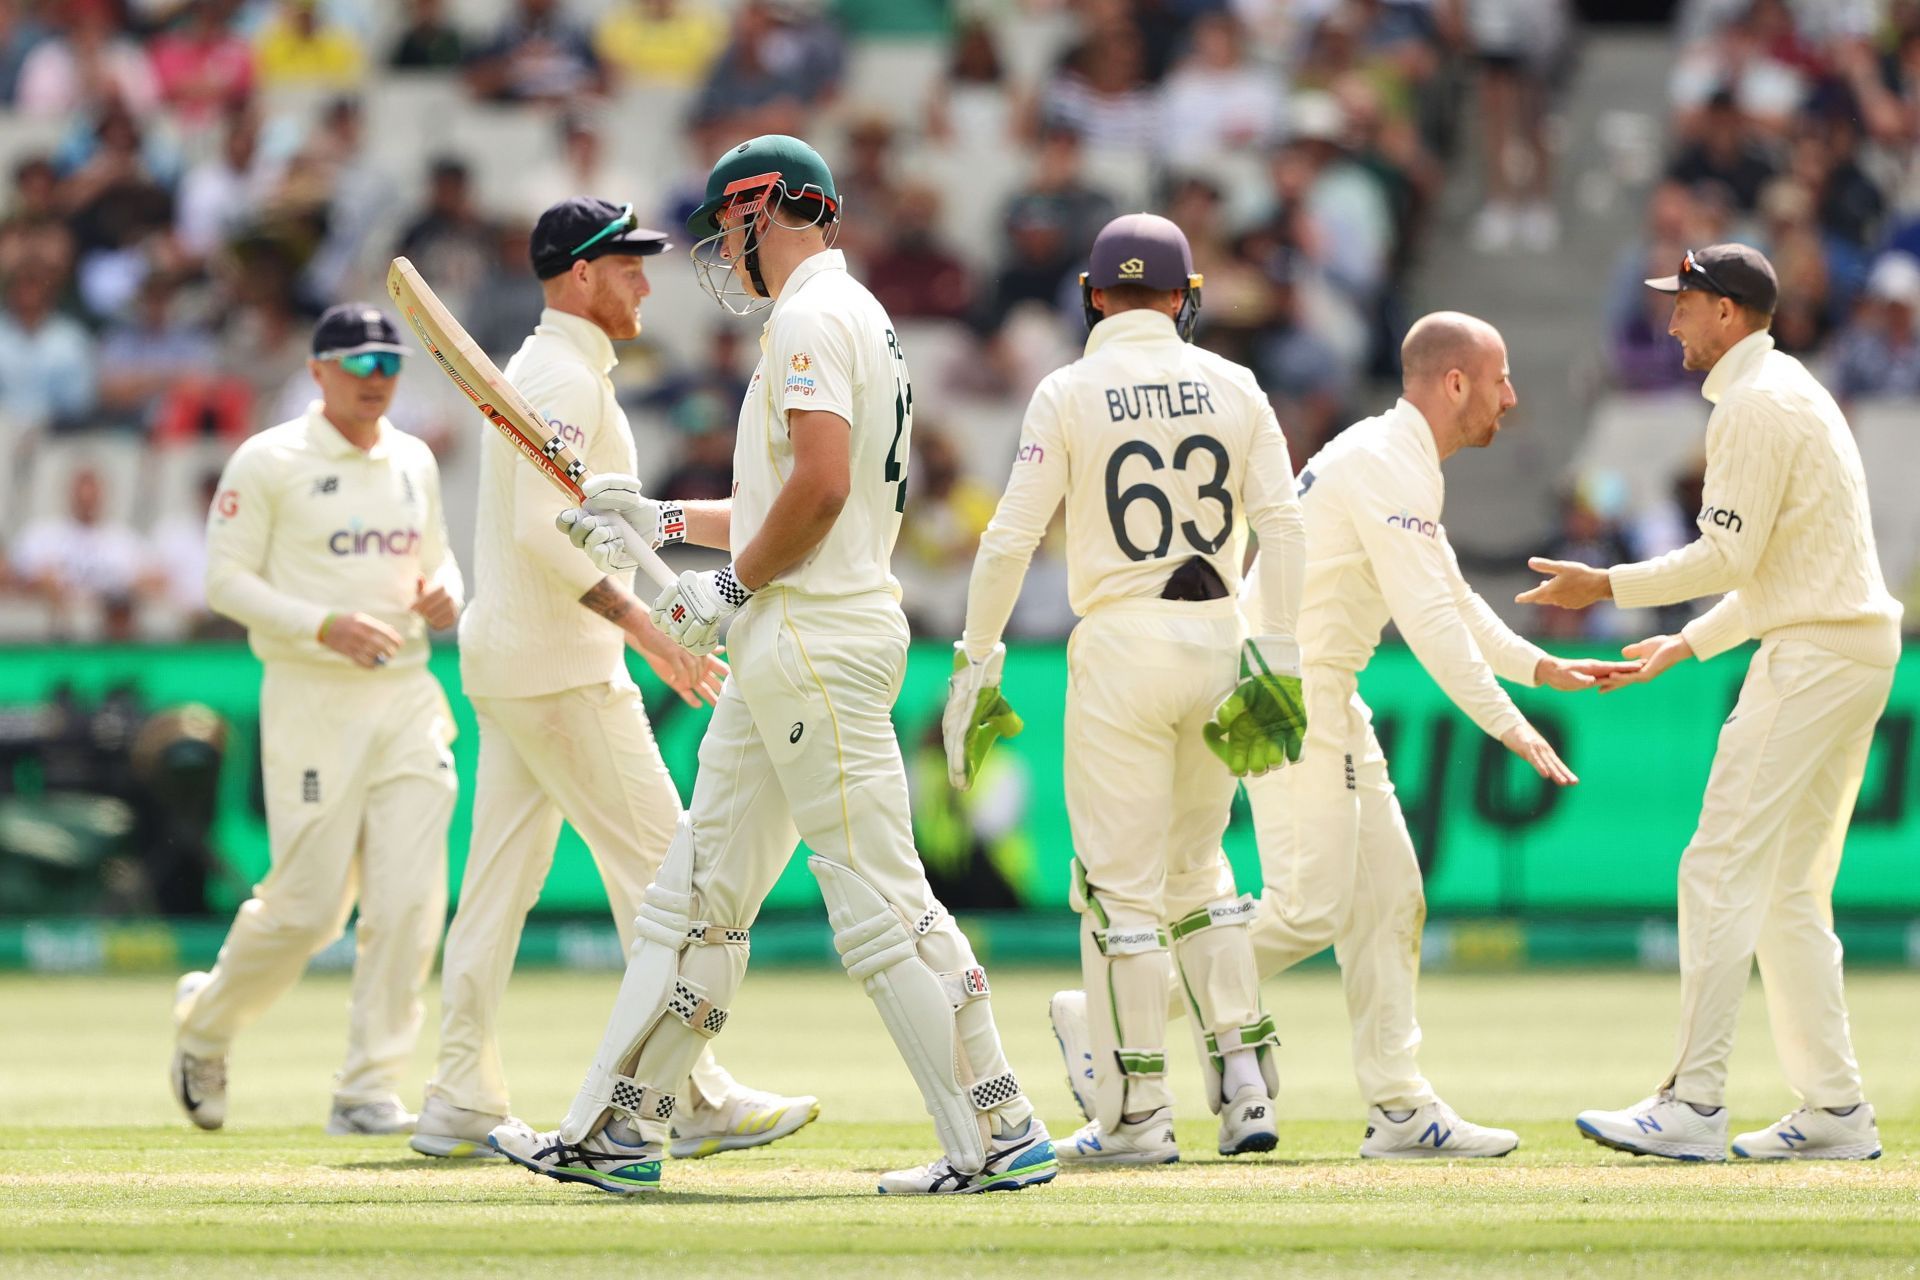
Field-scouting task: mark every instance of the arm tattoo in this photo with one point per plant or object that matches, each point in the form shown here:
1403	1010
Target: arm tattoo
607	599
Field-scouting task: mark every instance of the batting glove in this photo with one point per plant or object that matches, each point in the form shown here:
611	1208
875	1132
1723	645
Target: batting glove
595	526
977	713
692	609
1261	725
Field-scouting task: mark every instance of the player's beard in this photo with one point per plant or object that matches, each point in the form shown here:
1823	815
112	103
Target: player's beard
620	319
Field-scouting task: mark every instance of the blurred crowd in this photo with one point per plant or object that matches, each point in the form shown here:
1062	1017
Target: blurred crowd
1793	127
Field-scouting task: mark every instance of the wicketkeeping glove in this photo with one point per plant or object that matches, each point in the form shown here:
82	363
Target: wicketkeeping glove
1261	725
613	494
692	609
977	713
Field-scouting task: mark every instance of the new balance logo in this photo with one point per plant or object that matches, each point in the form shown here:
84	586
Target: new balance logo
326	484
1260	1113
1648	1124
1791	1136
1436	1135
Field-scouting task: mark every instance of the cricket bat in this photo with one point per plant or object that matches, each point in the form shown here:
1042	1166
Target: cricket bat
462	360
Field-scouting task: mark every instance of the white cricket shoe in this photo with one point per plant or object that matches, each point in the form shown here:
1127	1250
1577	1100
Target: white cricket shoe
199	1084
381	1118
1433	1131
1068	1013
601	1161
1148	1142
1247	1123
1814	1133
1660	1125
1025	1159
744	1118
454	1133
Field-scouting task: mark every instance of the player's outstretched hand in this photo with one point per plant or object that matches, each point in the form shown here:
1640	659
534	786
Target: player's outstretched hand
977	713
1654	655
436	606
366	640
1262	725
1525	741
692	610
1569	584
695	677
1571	675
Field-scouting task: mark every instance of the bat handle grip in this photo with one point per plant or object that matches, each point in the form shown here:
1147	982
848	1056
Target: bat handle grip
650	562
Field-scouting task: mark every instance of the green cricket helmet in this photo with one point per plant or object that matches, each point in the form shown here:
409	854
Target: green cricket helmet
761	174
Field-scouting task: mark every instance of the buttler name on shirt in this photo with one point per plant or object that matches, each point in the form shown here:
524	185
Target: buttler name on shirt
1158	400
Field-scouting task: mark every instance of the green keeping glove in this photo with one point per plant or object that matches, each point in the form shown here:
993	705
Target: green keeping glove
977	713
1260	726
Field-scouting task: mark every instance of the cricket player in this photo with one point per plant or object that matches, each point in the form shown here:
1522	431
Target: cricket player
326	541
1786	543
802	741
1337	864
563	734
1160	450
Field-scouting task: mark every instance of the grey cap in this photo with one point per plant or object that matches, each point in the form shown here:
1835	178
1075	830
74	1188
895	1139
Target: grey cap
1736	271
1140	248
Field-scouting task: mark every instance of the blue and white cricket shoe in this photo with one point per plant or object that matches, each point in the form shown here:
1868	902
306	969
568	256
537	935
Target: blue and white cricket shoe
1022	1160
1067	1011
1432	1132
1814	1133
601	1161
1148	1142
1661	1125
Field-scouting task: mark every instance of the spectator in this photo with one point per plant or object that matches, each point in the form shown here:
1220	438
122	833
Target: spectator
359	197
428	42
152	358
81	563
178	545
705	467
1216	99
667	42
916	275
1306	378
298	47
873	169
506	305
1727	152
450	241
1878	354
1346	221
581	164
780	64
47	360
20	32
950	512
1644	355
1101	92
35	228
718	377
1826	158
1801	259
1753	58
204	68
1059	178
1041	255
92	63
540	55
1591	537
225	192
971	100
1518	44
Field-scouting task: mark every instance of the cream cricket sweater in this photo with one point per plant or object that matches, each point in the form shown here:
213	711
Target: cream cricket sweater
526	633
1784	531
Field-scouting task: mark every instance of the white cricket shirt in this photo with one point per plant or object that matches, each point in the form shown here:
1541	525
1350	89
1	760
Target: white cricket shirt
1163	452
1376	550
305	524
527	634
1784	528
829	346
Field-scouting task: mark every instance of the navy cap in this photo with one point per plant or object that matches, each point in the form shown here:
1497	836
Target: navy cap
1735	271
1140	248
583	228
353	327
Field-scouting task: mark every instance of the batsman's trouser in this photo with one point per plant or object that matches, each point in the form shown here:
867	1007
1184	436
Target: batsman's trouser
1339	869
1148	803
585	756
1757	879
359	784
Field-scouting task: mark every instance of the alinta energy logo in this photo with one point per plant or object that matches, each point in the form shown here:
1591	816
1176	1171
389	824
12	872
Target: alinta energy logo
1406	520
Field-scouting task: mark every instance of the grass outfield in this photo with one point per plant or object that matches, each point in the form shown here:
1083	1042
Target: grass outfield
99	1175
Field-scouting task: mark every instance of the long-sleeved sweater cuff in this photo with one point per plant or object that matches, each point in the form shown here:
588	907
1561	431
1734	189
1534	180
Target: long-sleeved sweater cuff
1719	629
991	593
1649	584
1518	662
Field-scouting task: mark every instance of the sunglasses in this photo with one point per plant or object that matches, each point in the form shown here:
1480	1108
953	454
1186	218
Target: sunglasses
1690	266
625	222
364	364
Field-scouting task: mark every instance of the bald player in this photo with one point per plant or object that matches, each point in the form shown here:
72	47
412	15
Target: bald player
1786	542
1337	862
1160	450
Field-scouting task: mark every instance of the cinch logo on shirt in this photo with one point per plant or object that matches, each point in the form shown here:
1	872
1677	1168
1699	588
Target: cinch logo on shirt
1030	453
1415	523
566	432
373	542
1726	517
1158	400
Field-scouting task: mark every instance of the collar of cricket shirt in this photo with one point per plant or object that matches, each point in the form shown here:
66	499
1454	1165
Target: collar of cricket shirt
1740	359
327	438
1142	324
825	260
583	335
1415	424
